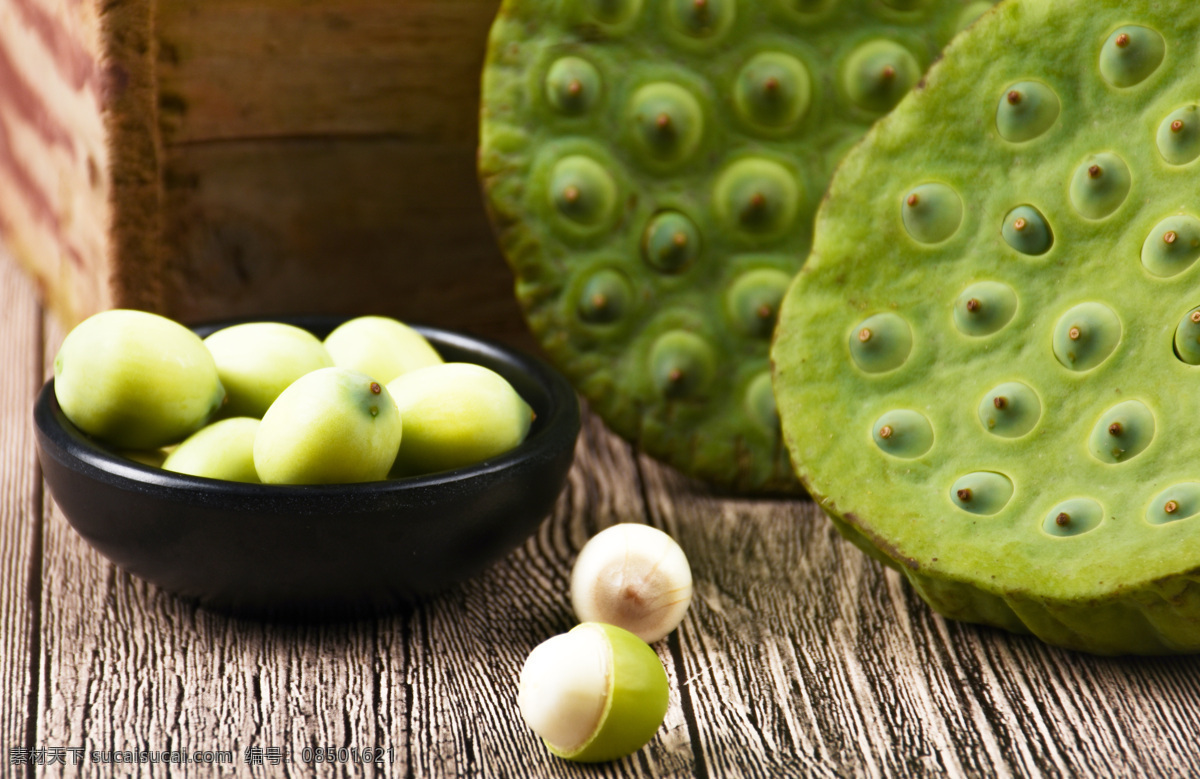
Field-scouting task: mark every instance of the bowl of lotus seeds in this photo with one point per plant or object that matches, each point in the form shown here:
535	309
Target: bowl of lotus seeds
304	467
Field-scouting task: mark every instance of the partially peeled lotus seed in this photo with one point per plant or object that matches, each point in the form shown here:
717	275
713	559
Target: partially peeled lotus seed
635	577
594	694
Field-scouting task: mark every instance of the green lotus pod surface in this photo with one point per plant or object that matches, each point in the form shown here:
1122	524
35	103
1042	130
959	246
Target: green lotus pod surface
1022	446
652	168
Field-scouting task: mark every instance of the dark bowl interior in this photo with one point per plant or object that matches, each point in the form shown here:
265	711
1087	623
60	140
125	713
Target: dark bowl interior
320	551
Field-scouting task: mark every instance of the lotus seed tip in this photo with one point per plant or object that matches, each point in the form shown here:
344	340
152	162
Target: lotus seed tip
973	305
1195	317
1014	97
675	375
888	73
1074	333
1177	125
913	200
964	495
1094	171
599	300
764	311
571	194
1170	236
1122	40
574	87
1114	429
663	121
1019	224
1063	519
771	85
864	335
1000	402
1171	507
375	388
885	432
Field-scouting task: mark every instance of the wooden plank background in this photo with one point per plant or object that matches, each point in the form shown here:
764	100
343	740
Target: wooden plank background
799	656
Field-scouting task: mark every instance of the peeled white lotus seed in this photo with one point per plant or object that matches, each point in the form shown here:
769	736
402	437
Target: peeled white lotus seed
635	577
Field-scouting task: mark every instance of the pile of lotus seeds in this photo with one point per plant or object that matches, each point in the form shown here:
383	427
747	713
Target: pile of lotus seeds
652	169
269	402
987	369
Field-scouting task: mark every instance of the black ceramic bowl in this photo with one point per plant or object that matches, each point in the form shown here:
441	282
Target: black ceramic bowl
321	550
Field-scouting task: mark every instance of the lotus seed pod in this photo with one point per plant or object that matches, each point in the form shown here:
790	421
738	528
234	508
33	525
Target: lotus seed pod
984	308
222	450
380	347
1026	230
1086	335
1122	433
931	212
1172	246
1098	343
1187	337
1130	55
682	364
136	380
1010	410
753	300
878	73
903	433
1073	518
595	694
657	153
671	242
1027	110
258	360
573	85
881	343
1179	501
1100	185
983	492
635	577
1178	136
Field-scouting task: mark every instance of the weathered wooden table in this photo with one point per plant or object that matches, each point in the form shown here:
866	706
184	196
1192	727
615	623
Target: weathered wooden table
799	657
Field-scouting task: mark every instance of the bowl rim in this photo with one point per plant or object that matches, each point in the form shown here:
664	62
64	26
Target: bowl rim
78	451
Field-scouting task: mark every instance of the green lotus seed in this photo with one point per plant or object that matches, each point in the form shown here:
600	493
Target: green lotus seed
1086	335
1187	337
760	402
613	11
1178	136
700	18
1010	410
971	13
1122	433
753	301
582	192
671	242
983	492
931	212
572	85
878	73
1026	230
258	360
881	343
667	123
1130	55
773	91
757	196
222	450
682	364
1073	517
1176	502
903	433
1172	246
606	297
1100	185
984	307
1027	109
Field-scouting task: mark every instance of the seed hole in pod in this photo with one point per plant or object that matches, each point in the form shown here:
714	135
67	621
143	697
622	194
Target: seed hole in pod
612	11
1027	109
1187	337
931	212
1010	410
903	433
759	402
582	192
972	12
682	364
757	197
1073	517
1179	501
881	343
1086	335
1130	55
1100	185
984	308
702	19
1027	231
1122	433
666	123
572	85
983	492
878	73
1172	246
1178	137
773	91
671	242
605	297
752	303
